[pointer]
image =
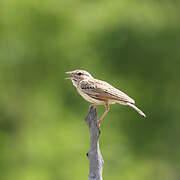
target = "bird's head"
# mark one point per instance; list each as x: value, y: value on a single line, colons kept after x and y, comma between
x: 78, y: 75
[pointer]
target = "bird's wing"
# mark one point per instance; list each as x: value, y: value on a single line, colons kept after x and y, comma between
x: 101, y: 90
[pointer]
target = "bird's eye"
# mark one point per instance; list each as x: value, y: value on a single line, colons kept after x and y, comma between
x: 79, y: 74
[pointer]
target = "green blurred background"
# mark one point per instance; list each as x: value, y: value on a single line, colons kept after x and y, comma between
x: 134, y: 45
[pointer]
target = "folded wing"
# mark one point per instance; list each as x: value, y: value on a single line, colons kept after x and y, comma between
x: 101, y: 90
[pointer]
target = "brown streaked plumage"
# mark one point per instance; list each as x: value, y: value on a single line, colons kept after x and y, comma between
x: 99, y: 92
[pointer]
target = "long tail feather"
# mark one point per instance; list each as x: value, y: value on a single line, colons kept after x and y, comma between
x: 138, y: 110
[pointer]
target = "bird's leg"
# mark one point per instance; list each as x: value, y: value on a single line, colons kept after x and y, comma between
x: 104, y: 114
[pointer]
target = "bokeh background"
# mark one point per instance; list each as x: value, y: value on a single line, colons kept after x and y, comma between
x: 134, y: 45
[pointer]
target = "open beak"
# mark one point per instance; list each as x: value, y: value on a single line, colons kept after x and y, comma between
x: 70, y: 73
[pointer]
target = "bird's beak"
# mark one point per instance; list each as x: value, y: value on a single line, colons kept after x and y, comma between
x: 70, y: 73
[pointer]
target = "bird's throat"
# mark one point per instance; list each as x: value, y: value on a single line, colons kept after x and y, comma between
x: 74, y: 81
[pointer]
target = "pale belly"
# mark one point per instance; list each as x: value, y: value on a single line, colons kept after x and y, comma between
x: 92, y: 100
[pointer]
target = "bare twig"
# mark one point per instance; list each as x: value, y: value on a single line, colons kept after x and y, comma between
x: 94, y: 155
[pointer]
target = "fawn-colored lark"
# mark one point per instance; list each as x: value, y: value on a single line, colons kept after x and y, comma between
x: 99, y: 92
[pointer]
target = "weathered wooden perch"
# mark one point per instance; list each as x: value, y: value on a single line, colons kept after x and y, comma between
x: 94, y: 155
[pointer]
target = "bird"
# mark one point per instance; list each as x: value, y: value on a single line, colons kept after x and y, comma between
x: 99, y: 92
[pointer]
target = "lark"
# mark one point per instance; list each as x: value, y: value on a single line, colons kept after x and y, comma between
x: 99, y: 92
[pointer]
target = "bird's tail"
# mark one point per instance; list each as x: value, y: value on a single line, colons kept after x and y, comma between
x: 138, y: 110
